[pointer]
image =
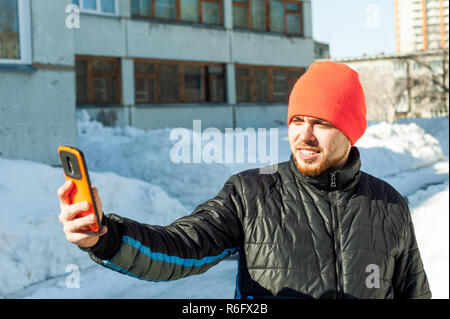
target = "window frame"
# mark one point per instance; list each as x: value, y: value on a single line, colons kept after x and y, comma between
x: 270, y: 70
x: 180, y: 80
x: 23, y: 7
x: 286, y: 12
x: 178, y: 13
x: 89, y: 74
x: 247, y: 7
x: 98, y: 11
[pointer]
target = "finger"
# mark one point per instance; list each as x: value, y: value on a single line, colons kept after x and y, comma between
x: 98, y: 202
x: 79, y: 224
x: 64, y: 191
x: 70, y: 212
x: 79, y: 236
x: 103, y: 230
x: 96, y: 196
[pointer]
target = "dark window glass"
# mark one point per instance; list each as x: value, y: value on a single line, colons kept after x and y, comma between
x: 103, y: 66
x: 145, y: 90
x: 9, y: 30
x: 242, y: 72
x: 291, y: 6
x: 243, y: 90
x: 240, y: 18
x: 181, y: 10
x: 293, y: 23
x: 276, y: 16
x: 261, y: 85
x: 81, y: 81
x: 144, y: 68
x: 279, y: 85
x: 258, y: 13
x: 105, y: 89
x: 210, y: 12
x: 293, y: 76
x: 142, y: 8
x: 265, y: 84
x: 189, y: 10
x: 97, y: 81
x: 108, y: 6
x: 216, y: 83
x: 166, y: 9
x: 184, y: 82
x: 89, y: 4
x: 168, y: 83
x: 193, y: 84
x: 145, y: 83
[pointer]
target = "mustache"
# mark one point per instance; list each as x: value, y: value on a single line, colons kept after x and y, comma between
x: 304, y: 145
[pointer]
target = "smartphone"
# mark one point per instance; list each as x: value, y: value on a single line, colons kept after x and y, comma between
x: 75, y: 169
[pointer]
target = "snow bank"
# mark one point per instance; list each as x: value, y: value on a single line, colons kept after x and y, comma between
x: 389, y: 149
x: 32, y: 245
x: 386, y: 150
x: 136, y: 178
x: 145, y: 155
x: 430, y: 218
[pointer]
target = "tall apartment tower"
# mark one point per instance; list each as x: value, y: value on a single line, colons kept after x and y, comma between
x: 421, y: 25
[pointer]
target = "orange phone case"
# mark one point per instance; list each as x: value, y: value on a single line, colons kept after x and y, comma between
x: 78, y: 173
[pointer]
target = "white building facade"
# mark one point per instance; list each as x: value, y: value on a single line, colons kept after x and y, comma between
x: 149, y: 64
x: 421, y: 25
x: 404, y: 85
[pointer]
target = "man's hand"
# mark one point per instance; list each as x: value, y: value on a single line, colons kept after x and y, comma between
x: 75, y: 228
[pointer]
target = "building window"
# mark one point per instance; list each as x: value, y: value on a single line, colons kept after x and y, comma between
x: 195, y: 11
x: 178, y: 82
x: 284, y: 16
x: 108, y: 7
x: 265, y: 84
x: 15, y: 40
x: 97, y: 80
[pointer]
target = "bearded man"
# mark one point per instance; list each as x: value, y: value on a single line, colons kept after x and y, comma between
x: 316, y: 227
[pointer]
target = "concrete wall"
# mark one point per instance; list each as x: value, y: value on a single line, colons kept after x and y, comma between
x: 176, y: 116
x: 139, y: 38
x: 37, y: 108
x: 268, y: 115
x: 267, y: 49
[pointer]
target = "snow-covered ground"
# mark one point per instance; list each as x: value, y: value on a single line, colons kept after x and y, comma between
x: 136, y: 178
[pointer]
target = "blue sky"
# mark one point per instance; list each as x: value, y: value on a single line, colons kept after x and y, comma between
x: 354, y: 27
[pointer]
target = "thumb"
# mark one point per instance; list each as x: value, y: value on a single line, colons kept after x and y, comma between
x: 103, y: 230
x: 98, y: 202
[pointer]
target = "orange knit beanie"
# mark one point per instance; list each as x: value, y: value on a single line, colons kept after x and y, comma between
x: 332, y: 92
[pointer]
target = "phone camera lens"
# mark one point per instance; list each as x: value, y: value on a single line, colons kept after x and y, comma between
x: 70, y: 165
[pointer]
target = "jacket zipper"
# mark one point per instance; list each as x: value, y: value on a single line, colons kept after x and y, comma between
x: 336, y: 236
x: 333, y: 180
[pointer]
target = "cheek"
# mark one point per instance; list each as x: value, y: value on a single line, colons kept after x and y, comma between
x: 329, y: 143
x: 292, y: 135
x: 338, y: 146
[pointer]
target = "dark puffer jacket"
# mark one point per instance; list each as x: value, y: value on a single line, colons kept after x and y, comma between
x: 343, y: 234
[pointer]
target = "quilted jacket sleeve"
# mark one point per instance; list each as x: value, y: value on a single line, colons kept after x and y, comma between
x: 410, y: 280
x: 190, y: 245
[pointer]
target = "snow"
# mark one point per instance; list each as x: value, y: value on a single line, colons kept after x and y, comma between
x: 136, y: 178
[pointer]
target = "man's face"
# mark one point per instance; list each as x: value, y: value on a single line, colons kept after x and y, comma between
x: 317, y: 145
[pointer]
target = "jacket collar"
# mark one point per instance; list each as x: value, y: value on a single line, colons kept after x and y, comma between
x: 341, y: 179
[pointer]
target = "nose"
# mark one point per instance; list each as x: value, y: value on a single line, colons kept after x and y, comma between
x: 306, y: 135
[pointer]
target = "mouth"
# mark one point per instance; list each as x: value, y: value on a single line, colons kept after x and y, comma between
x: 308, y: 154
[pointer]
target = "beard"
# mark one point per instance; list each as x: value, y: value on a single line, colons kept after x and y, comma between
x: 317, y: 167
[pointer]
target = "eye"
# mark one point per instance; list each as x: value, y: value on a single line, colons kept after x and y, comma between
x: 325, y: 125
x: 297, y: 120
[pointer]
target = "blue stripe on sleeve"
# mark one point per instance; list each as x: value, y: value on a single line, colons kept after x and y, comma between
x: 175, y: 259
x: 109, y: 264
